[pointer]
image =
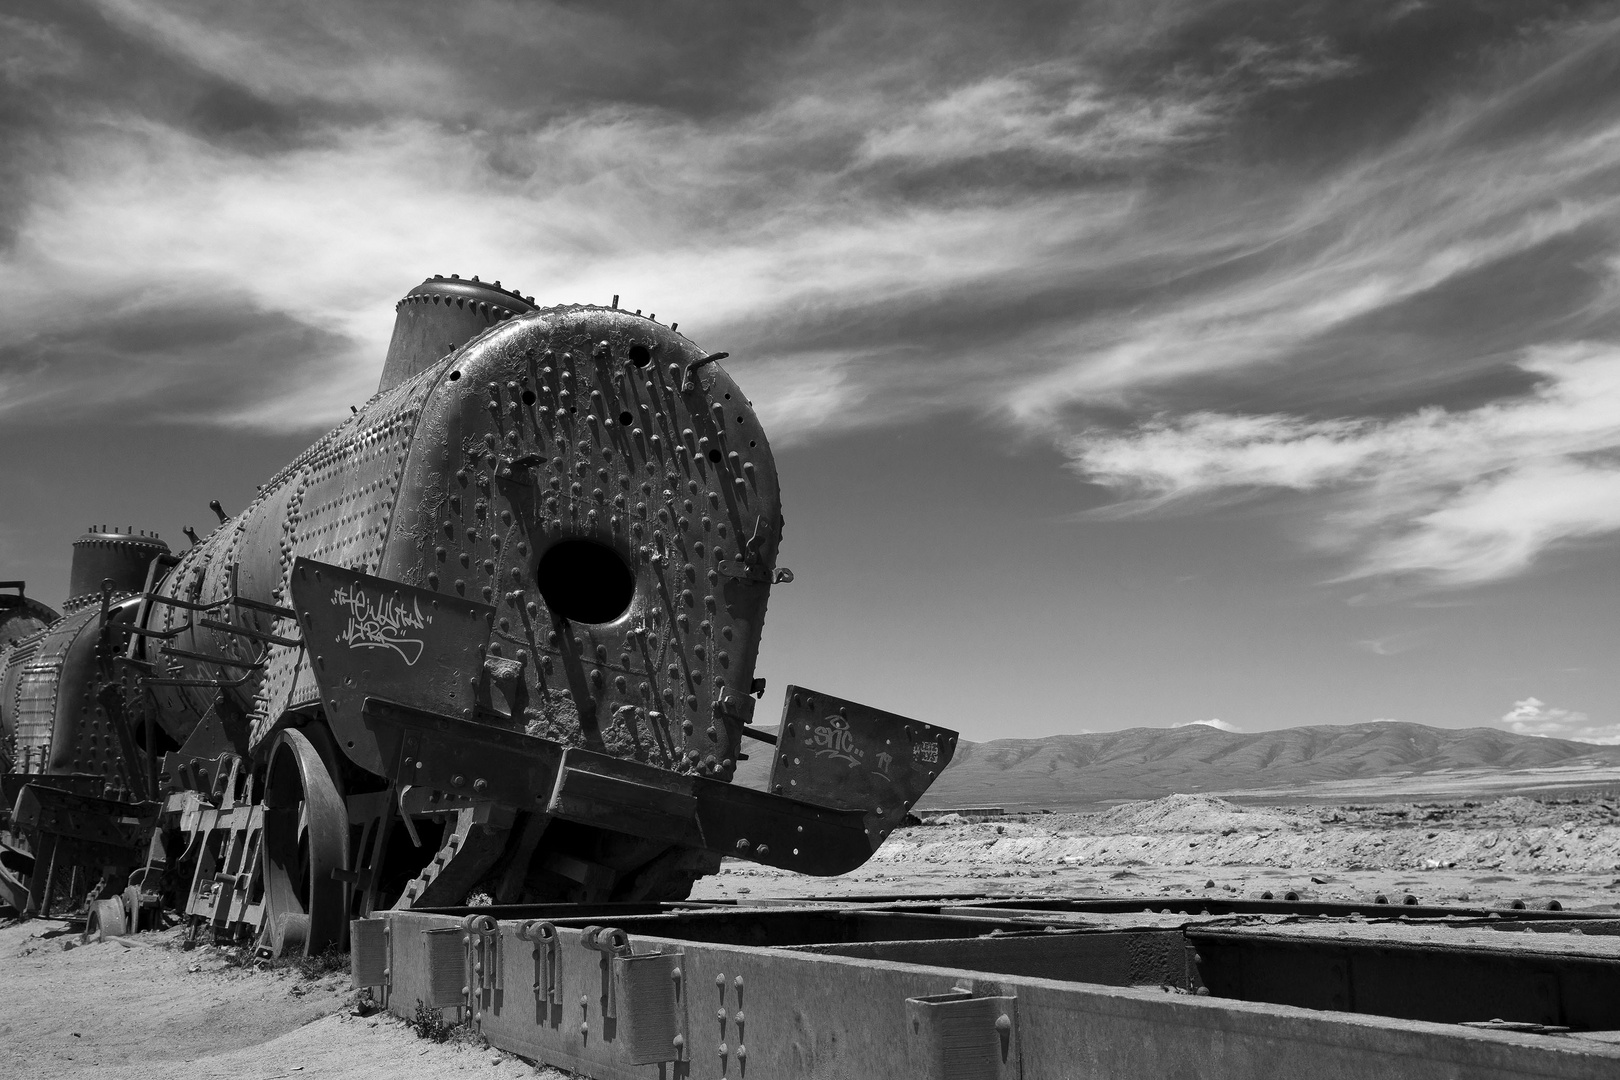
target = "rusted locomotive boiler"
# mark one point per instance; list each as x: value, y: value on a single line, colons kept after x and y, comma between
x: 495, y: 633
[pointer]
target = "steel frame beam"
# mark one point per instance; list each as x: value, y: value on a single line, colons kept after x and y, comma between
x: 571, y: 993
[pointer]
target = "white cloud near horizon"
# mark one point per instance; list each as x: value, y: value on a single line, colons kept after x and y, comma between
x: 1218, y: 725
x: 1532, y: 716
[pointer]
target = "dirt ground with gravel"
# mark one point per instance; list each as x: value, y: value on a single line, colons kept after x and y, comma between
x: 148, y: 1008
x: 145, y: 1008
x: 1478, y: 853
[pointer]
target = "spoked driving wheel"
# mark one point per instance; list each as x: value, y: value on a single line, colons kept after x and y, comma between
x: 306, y: 839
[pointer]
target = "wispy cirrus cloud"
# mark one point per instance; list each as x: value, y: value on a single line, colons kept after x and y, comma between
x: 1204, y: 249
x: 1454, y: 497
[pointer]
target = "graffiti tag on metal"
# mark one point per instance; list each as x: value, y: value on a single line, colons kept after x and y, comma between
x: 367, y: 636
x: 838, y: 753
x: 381, y: 621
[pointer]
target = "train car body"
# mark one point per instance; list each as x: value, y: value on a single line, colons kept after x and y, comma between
x: 495, y: 632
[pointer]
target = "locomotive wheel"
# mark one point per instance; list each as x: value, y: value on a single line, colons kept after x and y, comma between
x: 306, y: 838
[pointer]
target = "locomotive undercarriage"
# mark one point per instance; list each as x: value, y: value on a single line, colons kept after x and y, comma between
x: 287, y: 845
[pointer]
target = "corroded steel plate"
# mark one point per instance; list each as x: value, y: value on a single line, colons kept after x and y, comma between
x: 838, y: 753
x: 368, y: 636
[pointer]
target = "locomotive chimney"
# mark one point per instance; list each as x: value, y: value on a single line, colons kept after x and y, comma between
x: 441, y: 315
x: 102, y: 555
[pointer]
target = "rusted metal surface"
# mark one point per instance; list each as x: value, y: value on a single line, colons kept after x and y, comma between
x: 370, y: 637
x: 479, y: 761
x: 769, y: 1011
x: 105, y: 555
x: 441, y: 315
x: 215, y: 808
x: 1050, y: 907
x: 306, y: 849
x: 21, y: 616
x: 850, y: 756
x: 1439, y: 980
x: 69, y: 833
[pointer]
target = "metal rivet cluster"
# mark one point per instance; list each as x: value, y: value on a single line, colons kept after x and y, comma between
x: 564, y: 433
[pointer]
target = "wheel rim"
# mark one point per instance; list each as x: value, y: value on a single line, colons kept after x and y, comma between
x: 306, y: 839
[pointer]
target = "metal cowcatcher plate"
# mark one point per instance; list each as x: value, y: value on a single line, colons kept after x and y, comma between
x: 849, y: 756
x: 370, y: 637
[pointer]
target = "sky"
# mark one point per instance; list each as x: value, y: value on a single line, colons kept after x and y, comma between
x: 1253, y: 364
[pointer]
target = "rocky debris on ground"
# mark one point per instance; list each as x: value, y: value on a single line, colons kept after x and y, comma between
x: 1188, y: 830
x: 1474, y: 852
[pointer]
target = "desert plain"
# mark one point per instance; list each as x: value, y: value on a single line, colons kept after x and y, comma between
x: 149, y: 1007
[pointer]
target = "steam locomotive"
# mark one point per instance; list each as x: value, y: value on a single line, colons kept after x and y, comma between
x: 494, y: 635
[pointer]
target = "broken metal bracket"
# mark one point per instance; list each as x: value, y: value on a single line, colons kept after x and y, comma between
x: 647, y: 988
x: 371, y: 956
x: 958, y: 1036
x: 446, y: 967
x: 689, y: 379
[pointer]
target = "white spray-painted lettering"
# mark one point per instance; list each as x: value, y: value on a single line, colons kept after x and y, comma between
x: 381, y: 622
x: 834, y: 739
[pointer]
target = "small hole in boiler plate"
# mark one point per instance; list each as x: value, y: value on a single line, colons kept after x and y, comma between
x: 640, y: 355
x: 528, y: 397
x: 454, y: 375
x: 626, y: 419
x: 714, y: 456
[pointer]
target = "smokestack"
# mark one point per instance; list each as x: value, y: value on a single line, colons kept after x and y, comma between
x: 441, y: 315
x: 101, y: 554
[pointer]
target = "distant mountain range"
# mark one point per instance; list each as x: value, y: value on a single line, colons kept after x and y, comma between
x: 1343, y: 762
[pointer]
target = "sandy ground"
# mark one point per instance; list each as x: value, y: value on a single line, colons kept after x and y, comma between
x: 1484, y: 853
x: 147, y: 1008
x: 144, y: 1009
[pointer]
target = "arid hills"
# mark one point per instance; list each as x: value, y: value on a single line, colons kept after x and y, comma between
x: 1328, y: 763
